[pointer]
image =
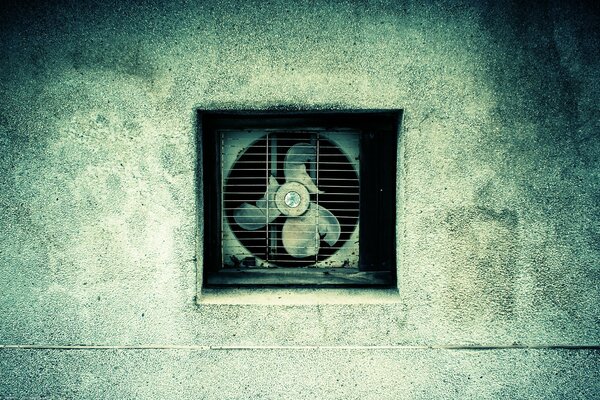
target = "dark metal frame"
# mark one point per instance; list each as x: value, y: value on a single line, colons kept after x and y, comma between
x: 380, y: 130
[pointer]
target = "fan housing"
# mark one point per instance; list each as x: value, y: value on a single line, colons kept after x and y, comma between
x: 266, y: 173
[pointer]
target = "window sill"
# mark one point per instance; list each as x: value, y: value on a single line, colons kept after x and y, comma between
x: 321, y: 277
x: 298, y: 296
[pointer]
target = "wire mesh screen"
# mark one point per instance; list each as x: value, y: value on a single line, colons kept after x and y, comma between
x: 290, y: 199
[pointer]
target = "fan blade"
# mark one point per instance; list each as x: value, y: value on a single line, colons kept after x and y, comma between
x: 300, y: 237
x: 295, y: 167
x: 249, y: 217
x: 252, y: 217
x: 328, y: 225
x: 272, y: 212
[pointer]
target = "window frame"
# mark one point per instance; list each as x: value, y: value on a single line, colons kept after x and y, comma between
x: 380, y: 136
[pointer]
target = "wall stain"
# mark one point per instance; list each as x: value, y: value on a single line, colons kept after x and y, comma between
x: 483, y: 245
x: 124, y: 58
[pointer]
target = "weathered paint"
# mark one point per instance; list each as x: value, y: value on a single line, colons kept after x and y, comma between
x: 499, y: 188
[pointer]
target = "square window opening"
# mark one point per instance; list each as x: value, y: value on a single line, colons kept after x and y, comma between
x: 298, y: 198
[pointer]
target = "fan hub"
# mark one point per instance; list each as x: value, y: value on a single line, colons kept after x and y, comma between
x: 292, y: 199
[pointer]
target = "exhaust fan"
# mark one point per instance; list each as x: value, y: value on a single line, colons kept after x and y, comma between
x: 290, y: 199
x: 298, y: 198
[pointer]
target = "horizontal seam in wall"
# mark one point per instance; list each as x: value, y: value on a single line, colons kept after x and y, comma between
x: 199, y: 347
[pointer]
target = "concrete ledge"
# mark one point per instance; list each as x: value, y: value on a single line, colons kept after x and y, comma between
x: 299, y: 296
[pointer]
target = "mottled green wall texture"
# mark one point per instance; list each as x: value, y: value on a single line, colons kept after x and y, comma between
x: 498, y: 209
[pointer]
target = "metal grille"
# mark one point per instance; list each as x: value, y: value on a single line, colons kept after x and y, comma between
x: 279, y: 191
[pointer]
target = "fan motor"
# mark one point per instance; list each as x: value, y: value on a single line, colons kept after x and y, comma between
x: 292, y: 199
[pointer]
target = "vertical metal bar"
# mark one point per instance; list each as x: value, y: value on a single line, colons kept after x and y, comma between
x: 267, y: 227
x: 221, y: 139
x: 316, y: 163
x: 273, y: 164
x: 359, y: 145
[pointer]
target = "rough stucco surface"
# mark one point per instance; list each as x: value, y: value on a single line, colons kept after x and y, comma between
x: 301, y: 374
x: 499, y: 228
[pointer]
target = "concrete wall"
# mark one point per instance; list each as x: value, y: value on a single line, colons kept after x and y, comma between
x: 500, y: 210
